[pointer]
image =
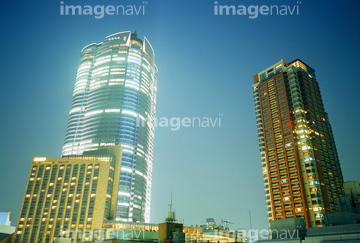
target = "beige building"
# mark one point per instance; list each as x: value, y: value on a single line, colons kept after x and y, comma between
x: 69, y: 196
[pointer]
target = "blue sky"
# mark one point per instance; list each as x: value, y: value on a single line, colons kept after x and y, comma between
x: 206, y: 66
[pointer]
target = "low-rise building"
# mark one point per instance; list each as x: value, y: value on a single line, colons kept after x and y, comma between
x: 70, y: 195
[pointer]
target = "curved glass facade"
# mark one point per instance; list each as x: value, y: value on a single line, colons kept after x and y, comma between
x: 114, y: 103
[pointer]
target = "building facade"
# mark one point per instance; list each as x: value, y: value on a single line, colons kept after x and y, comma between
x: 300, y: 165
x: 350, y: 202
x: 69, y: 194
x: 113, y: 103
x: 210, y: 224
x: 6, y: 230
x: 5, y: 218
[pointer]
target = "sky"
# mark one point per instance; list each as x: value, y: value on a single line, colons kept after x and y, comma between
x: 206, y: 66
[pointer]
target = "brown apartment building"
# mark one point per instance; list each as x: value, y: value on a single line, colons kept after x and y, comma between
x: 300, y: 164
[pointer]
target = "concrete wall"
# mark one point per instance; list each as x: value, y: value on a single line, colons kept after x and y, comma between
x: 340, y: 218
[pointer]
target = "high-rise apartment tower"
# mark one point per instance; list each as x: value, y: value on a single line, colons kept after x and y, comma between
x: 115, y: 90
x: 301, y: 169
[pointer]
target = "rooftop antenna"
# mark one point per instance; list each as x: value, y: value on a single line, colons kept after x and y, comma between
x: 170, y: 215
x: 226, y: 223
x: 170, y: 205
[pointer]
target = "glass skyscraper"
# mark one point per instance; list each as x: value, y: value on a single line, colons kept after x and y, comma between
x: 114, y: 103
x: 300, y: 165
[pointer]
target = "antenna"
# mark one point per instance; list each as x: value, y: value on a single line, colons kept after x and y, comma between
x: 171, y: 204
x: 170, y: 214
x: 226, y: 223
